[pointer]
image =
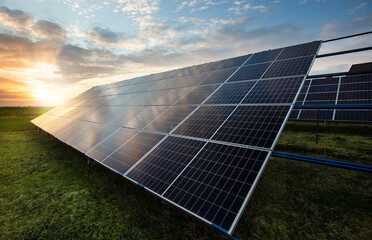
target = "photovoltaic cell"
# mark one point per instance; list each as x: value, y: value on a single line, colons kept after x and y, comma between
x: 231, y: 93
x: 299, y: 50
x: 312, y: 114
x: 219, y: 76
x: 172, y: 96
x: 212, y: 66
x: 58, y: 124
x: 361, y: 115
x: 90, y: 137
x: 281, y: 90
x: 110, y: 144
x: 291, y: 67
x: 126, y: 114
x: 133, y: 150
x: 205, y: 121
x: 147, y: 116
x: 354, y: 89
x: 199, y: 136
x: 253, y: 125
x: 249, y: 72
x: 216, y: 183
x: 186, y: 81
x: 148, y: 98
x: 170, y: 118
x: 266, y: 56
x: 161, y: 167
x: 234, y: 62
x: 197, y: 95
x: 74, y: 128
x: 294, y: 114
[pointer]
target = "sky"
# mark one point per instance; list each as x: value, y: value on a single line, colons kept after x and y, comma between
x: 53, y: 50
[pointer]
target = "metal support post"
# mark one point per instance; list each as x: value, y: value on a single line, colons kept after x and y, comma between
x: 317, y: 127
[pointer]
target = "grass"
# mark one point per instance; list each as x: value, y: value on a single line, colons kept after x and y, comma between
x: 48, y: 191
x: 18, y: 118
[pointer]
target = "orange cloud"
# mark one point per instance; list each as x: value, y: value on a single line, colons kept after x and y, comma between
x: 13, y: 91
x: 19, y: 52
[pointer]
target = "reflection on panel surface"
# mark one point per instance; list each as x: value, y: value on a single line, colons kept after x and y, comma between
x: 219, y: 76
x: 231, y: 93
x: 250, y: 72
x: 161, y: 167
x: 170, y: 118
x: 110, y: 144
x: 133, y: 150
x: 198, y: 94
x: 197, y: 136
x: 205, y: 121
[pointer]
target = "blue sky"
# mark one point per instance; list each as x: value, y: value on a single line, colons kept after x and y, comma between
x: 57, y: 49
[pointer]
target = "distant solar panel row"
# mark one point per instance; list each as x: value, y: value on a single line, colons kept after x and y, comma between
x: 355, y: 89
x: 198, y: 137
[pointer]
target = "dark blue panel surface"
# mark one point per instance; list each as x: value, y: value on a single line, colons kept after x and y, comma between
x: 253, y: 125
x: 133, y: 150
x: 161, y: 167
x: 205, y: 121
x: 217, y: 181
x: 231, y: 93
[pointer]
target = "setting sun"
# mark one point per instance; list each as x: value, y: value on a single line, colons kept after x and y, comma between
x: 47, y: 97
x: 41, y: 94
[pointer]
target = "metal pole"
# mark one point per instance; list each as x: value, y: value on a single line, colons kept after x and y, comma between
x: 344, y: 52
x: 327, y: 75
x: 317, y: 127
x: 322, y: 161
x: 333, y: 106
x: 349, y: 36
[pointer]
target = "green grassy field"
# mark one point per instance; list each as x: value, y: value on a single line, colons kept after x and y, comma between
x: 47, y: 191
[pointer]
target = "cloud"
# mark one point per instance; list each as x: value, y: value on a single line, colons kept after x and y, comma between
x: 202, y: 5
x: 25, y: 24
x: 16, y: 19
x: 138, y: 7
x: 9, y: 89
x: 357, y: 8
x: 185, y: 4
x: 10, y: 96
x: 12, y: 91
x: 240, y: 8
x: 306, y: 1
x: 20, y: 52
x: 76, y: 63
x: 342, y: 28
x: 104, y: 37
x: 46, y: 29
x: 210, y: 2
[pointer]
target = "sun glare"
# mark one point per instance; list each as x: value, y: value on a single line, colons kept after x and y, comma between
x: 47, y: 97
x: 41, y: 94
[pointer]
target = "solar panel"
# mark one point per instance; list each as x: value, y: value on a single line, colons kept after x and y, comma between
x: 216, y: 190
x: 231, y: 93
x: 355, y: 89
x: 197, y: 137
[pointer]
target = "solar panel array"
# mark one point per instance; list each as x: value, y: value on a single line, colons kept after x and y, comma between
x: 353, y: 89
x: 197, y: 137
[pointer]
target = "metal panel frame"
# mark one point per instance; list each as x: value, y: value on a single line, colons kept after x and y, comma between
x: 210, y: 140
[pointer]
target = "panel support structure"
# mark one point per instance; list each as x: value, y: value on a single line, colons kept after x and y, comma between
x: 326, y: 162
